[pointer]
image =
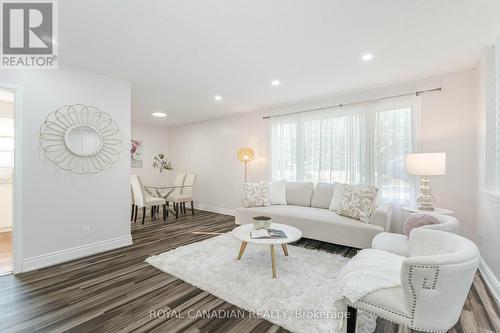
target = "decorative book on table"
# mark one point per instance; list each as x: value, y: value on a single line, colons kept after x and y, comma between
x: 267, y: 234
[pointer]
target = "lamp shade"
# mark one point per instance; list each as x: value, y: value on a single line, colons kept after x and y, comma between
x: 426, y: 164
x: 245, y: 154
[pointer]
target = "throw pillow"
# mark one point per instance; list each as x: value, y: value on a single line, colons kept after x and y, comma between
x: 338, y: 193
x: 277, y: 192
x: 358, y: 202
x: 255, y: 194
x: 418, y: 220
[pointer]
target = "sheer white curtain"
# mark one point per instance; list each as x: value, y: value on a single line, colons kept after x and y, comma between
x: 364, y: 143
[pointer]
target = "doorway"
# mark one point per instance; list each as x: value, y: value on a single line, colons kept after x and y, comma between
x: 7, y: 116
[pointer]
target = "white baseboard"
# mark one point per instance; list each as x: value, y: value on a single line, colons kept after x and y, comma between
x: 490, y: 279
x: 58, y: 257
x: 5, y: 229
x: 214, y: 209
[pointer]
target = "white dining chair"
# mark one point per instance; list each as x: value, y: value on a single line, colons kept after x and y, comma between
x: 133, y: 202
x: 178, y: 184
x: 143, y: 200
x: 186, y: 195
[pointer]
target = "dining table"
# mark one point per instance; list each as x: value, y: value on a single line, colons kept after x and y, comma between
x: 163, y: 191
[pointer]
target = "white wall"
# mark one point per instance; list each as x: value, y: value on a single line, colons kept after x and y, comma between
x: 209, y: 150
x: 155, y: 140
x: 56, y: 204
x: 489, y: 200
x: 448, y: 124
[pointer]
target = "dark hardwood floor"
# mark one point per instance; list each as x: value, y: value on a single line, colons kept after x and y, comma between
x: 115, y: 291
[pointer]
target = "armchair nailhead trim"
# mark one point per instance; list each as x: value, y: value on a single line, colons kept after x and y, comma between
x: 412, y: 288
x: 414, y: 299
x: 395, y: 322
x: 413, y: 293
x: 434, y: 280
x: 381, y: 308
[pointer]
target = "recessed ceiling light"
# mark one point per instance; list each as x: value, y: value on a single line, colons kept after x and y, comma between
x: 217, y: 98
x: 159, y: 114
x: 367, y: 57
x: 275, y: 82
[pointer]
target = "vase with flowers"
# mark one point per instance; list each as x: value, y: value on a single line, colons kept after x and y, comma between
x: 162, y: 164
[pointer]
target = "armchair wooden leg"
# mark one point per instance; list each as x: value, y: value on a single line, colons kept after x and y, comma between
x: 165, y: 210
x: 135, y: 214
x: 168, y: 207
x: 132, y: 216
x: 192, y: 208
x: 351, y: 319
x: 184, y: 207
x: 152, y: 209
x: 143, y: 214
x: 176, y: 205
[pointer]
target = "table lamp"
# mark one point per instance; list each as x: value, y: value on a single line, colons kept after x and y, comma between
x: 245, y: 155
x: 425, y: 165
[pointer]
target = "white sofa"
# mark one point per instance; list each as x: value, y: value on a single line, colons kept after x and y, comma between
x: 307, y: 209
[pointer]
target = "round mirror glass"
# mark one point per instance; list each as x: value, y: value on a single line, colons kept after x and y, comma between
x: 83, y: 140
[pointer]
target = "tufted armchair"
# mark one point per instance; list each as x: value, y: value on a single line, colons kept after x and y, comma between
x: 436, y: 278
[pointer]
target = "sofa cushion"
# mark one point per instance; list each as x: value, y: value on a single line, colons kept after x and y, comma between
x: 277, y: 192
x: 299, y: 194
x: 322, y: 195
x: 316, y: 223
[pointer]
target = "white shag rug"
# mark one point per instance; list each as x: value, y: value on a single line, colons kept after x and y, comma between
x: 304, y: 291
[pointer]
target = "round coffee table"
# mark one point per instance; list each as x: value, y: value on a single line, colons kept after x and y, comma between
x: 243, y: 233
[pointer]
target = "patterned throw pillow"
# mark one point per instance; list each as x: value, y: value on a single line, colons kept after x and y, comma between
x: 358, y: 202
x: 256, y: 194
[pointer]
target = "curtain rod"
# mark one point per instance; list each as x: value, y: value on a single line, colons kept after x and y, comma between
x: 359, y: 102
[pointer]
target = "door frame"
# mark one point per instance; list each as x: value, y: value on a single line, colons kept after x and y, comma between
x: 17, y: 216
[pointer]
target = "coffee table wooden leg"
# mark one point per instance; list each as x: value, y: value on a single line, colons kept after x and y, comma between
x: 273, y: 261
x: 285, y: 249
x: 242, y: 249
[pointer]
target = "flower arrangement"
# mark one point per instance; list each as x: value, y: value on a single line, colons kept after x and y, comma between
x: 161, y: 163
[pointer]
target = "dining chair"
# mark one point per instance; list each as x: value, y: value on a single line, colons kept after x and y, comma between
x: 133, y: 202
x: 186, y: 195
x: 143, y: 200
x: 178, y: 184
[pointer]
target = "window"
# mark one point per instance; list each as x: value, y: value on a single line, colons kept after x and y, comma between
x: 364, y: 143
x: 6, y: 149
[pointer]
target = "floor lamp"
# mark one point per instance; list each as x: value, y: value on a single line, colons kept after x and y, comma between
x: 245, y: 155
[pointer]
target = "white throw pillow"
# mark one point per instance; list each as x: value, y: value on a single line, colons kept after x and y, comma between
x: 358, y: 202
x: 255, y: 194
x: 277, y: 192
x: 338, y: 193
